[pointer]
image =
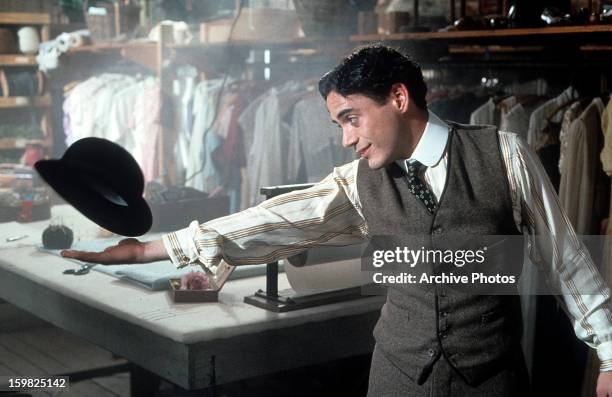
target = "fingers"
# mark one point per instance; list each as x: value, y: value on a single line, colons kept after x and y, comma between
x: 128, y: 241
x: 85, y: 256
x: 602, y: 391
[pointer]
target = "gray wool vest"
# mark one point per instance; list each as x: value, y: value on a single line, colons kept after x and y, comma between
x: 476, y: 334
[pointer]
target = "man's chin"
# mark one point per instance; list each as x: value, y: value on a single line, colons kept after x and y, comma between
x: 375, y: 164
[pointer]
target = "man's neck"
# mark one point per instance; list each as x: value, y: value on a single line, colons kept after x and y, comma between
x: 416, y: 124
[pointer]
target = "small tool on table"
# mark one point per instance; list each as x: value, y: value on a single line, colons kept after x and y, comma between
x: 84, y: 269
x: 16, y: 238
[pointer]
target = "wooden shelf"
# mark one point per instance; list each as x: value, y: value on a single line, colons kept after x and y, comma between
x: 17, y: 60
x: 102, y: 47
x: 488, y: 33
x: 24, y: 18
x: 279, y: 41
x: 143, y: 46
x: 479, y: 49
x: 301, y: 42
x: 20, y: 143
x: 143, y: 53
x: 596, y: 48
x: 23, y: 101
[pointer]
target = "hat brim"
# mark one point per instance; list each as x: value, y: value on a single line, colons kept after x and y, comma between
x: 130, y: 218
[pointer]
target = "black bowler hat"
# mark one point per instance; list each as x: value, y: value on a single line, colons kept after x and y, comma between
x: 104, y: 182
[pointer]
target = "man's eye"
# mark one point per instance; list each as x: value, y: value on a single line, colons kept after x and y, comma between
x: 354, y: 121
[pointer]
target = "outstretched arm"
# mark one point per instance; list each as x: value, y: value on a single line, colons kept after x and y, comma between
x: 126, y: 251
x: 329, y: 213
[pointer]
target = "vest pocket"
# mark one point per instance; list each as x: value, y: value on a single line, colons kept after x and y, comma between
x: 493, y: 315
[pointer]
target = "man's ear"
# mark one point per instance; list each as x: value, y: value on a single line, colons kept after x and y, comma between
x: 400, y: 96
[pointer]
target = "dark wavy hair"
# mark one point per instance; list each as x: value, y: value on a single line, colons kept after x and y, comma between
x: 371, y: 71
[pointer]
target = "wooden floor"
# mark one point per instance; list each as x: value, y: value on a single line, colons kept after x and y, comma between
x: 30, y: 347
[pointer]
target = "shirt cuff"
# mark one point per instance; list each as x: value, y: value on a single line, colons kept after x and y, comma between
x: 604, y: 352
x: 180, y: 245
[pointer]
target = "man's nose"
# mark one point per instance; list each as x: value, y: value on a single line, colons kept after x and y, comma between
x: 349, y: 138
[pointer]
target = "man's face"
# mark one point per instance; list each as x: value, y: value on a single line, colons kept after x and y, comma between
x: 374, y: 131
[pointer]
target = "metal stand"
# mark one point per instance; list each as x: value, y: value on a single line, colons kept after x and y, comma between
x: 287, y: 300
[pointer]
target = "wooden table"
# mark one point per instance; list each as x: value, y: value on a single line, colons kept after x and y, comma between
x: 194, y: 346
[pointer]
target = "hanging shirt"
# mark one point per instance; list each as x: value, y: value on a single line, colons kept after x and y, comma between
x: 515, y: 120
x: 314, y: 141
x: 266, y: 140
x: 201, y: 173
x: 578, y: 177
x: 606, y: 128
x: 183, y: 90
x: 568, y: 117
x: 485, y: 114
x: 536, y: 134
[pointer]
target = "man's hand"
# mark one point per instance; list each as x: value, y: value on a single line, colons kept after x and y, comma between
x: 127, y: 251
x: 604, y: 384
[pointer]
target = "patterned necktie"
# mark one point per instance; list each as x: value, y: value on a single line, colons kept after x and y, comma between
x: 418, y: 187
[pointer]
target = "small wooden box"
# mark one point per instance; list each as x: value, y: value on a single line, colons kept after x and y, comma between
x: 215, y: 31
x: 367, y: 22
x: 206, y: 295
x: 253, y: 25
x: 393, y: 22
x: 190, y: 296
x: 111, y: 20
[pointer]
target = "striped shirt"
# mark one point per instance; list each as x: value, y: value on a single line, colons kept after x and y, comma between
x: 329, y: 213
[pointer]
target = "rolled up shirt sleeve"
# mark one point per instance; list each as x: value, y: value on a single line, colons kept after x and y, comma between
x: 327, y: 214
x: 556, y: 250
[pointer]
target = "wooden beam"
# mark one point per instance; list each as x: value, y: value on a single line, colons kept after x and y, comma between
x: 20, y: 143
x: 488, y: 33
x: 478, y: 49
x: 17, y: 60
x: 24, y: 18
x: 23, y: 101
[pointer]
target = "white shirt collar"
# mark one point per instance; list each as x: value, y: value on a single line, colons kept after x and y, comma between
x: 431, y: 146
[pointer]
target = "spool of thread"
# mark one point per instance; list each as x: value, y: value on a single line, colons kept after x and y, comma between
x: 63, y: 42
x: 28, y: 40
x: 56, y: 237
x: 21, y: 82
x: 79, y: 38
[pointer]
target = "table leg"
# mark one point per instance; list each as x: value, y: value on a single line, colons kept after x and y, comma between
x: 142, y: 382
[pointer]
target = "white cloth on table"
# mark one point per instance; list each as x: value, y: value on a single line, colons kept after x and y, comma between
x: 154, y: 276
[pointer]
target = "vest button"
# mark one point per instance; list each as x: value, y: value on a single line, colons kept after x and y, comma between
x: 431, y: 352
x: 443, y: 314
x: 437, y: 230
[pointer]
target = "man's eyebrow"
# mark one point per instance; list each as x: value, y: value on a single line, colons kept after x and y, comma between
x: 343, y: 112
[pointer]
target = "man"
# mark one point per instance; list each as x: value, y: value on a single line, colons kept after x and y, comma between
x: 420, y: 176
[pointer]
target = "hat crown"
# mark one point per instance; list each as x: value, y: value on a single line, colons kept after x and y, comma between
x: 104, y: 159
x: 103, y: 182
